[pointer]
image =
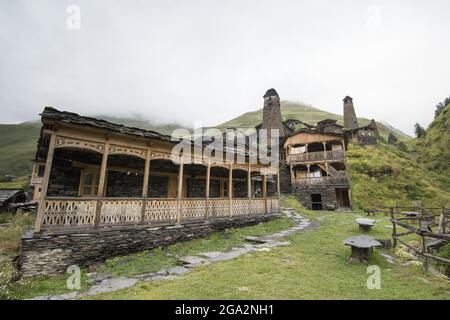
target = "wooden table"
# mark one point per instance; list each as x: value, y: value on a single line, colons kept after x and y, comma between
x: 362, y: 247
x: 365, y: 224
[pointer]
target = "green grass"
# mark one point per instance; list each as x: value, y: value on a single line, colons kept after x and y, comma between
x: 18, y: 183
x: 433, y: 149
x: 128, y: 266
x: 156, y: 260
x: 314, y: 266
x: 384, y: 175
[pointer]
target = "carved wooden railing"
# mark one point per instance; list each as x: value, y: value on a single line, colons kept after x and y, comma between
x: 219, y: 207
x: 319, y: 181
x: 81, y: 212
x: 161, y: 210
x: 317, y: 156
x: 115, y: 211
x: 69, y: 212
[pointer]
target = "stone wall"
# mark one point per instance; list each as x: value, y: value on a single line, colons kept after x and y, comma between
x: 196, y: 188
x: 64, y: 180
x: 51, y: 253
x: 121, y: 184
x: 303, y: 194
x: 285, y: 178
x: 158, y: 187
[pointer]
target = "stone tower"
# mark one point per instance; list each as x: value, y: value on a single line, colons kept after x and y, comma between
x: 350, y: 120
x: 272, y: 113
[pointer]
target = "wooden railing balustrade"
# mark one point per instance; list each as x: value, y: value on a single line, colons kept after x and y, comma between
x: 328, y: 180
x: 81, y: 212
x: 317, y: 156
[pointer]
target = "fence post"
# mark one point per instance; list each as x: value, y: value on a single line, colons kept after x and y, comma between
x: 394, y: 229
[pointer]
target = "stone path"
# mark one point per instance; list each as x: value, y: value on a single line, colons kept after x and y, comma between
x: 103, y: 282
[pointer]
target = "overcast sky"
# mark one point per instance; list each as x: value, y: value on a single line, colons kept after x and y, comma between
x: 213, y: 60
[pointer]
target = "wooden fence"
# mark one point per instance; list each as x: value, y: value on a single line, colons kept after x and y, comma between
x: 431, y: 225
x: 81, y: 212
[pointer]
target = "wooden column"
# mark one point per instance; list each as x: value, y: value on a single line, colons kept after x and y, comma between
x: 230, y: 188
x: 324, y: 150
x: 145, y: 184
x: 101, y: 184
x: 326, y: 168
x: 264, y: 192
x: 278, y: 184
x: 249, y: 188
x: 48, y: 168
x: 208, y: 173
x: 180, y: 189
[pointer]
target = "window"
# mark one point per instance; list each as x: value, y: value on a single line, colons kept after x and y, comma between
x: 89, y: 182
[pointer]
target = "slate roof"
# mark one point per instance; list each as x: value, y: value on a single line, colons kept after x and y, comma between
x: 5, y: 194
x: 74, y: 118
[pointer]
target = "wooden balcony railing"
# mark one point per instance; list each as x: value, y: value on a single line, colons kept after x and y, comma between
x: 81, y: 212
x: 319, y: 181
x: 35, y: 180
x: 335, y: 155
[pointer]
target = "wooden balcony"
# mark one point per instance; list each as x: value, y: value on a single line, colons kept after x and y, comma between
x: 322, y: 181
x: 82, y: 212
x: 330, y: 155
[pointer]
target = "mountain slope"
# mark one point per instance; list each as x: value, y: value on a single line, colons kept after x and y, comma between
x: 385, y: 175
x: 18, y: 142
x: 433, y: 150
x: 308, y: 114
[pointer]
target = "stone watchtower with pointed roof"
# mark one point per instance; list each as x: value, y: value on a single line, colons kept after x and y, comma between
x: 350, y: 120
x: 272, y: 113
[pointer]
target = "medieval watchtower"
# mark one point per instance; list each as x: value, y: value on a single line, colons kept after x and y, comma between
x: 272, y: 113
x: 350, y: 120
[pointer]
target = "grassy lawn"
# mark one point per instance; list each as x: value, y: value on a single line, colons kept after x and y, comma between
x: 130, y: 265
x: 312, y: 267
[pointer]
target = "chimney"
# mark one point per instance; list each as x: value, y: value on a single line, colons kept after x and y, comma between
x: 350, y: 120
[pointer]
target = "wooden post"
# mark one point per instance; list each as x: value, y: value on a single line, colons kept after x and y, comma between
x: 180, y: 189
x: 101, y: 184
x: 264, y: 191
x: 48, y: 168
x: 278, y: 184
x: 249, y: 188
x: 394, y: 229
x: 324, y: 150
x: 424, y: 240
x: 208, y: 173
x: 145, y: 185
x: 230, y: 188
x: 442, y: 221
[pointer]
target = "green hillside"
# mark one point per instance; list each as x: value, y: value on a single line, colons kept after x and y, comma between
x: 17, y: 147
x: 18, y: 142
x: 384, y: 175
x: 433, y: 150
x: 308, y: 114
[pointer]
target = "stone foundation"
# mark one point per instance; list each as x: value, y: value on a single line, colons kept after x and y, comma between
x: 50, y: 253
x: 327, y: 193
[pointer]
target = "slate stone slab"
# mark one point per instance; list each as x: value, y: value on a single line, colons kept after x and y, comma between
x: 109, y: 285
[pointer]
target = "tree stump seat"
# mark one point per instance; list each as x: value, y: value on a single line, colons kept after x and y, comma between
x: 365, y: 224
x: 362, y: 247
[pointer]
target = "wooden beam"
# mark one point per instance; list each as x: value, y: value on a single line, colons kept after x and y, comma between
x: 264, y: 191
x: 208, y: 178
x: 230, y: 188
x: 180, y: 189
x: 48, y: 168
x: 145, y: 184
x: 101, y: 184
